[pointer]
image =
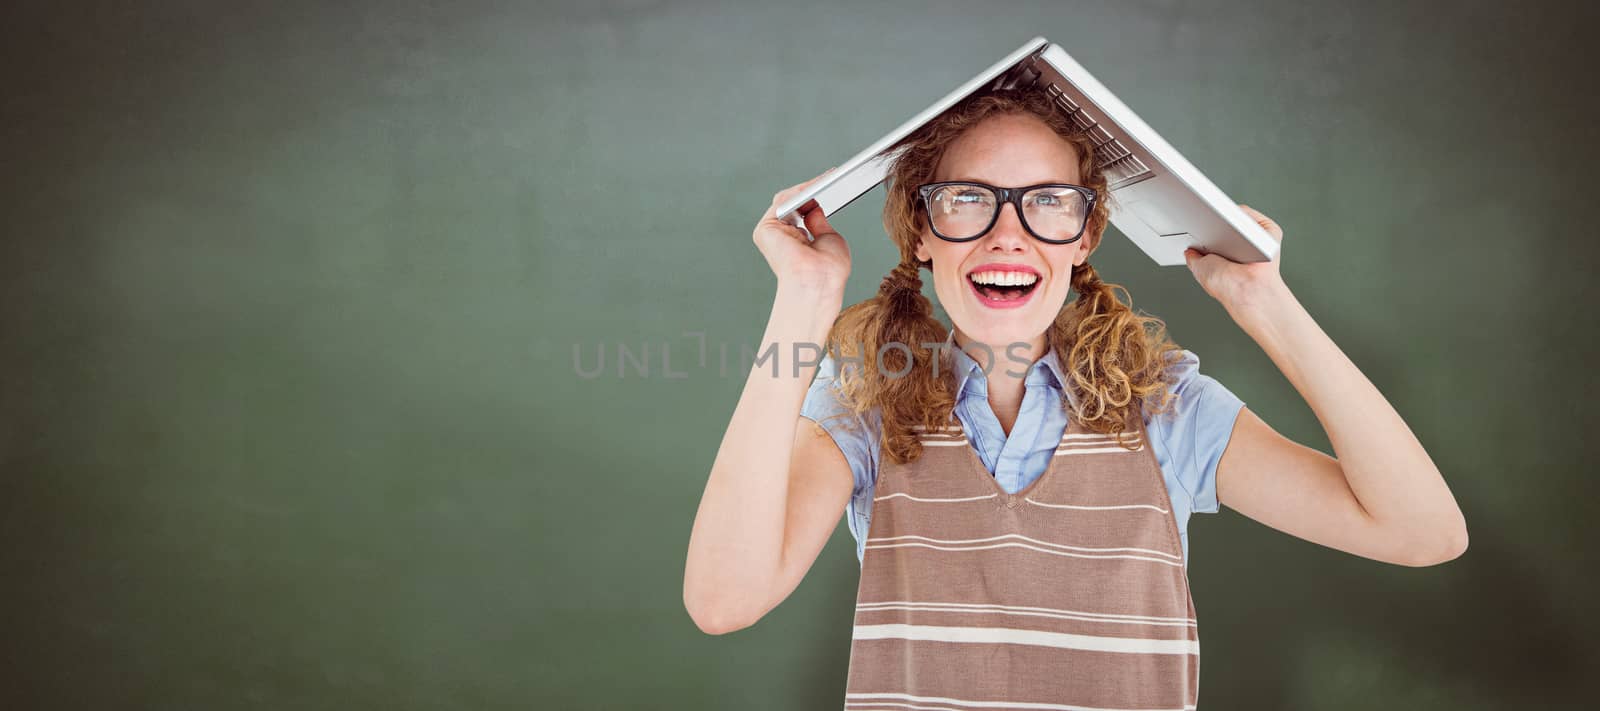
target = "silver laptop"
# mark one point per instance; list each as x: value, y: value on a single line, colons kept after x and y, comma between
x: 1160, y: 201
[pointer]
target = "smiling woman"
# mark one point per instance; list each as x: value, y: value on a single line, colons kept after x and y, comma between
x: 1022, y: 530
x: 1117, y: 360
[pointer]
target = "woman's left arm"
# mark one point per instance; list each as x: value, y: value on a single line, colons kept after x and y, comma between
x: 1382, y: 497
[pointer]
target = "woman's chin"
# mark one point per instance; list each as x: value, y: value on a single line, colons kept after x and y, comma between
x: 1002, y: 327
x: 1000, y: 331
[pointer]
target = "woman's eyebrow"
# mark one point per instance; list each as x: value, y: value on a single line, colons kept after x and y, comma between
x: 985, y: 182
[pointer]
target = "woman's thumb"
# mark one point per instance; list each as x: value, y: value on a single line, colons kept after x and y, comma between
x: 817, y: 222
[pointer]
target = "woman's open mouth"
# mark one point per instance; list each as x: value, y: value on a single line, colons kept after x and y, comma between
x: 1003, y: 288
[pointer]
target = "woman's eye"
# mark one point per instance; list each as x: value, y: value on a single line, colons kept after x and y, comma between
x: 969, y: 197
x: 1047, y: 200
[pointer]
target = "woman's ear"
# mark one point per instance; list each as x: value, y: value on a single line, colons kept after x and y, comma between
x: 1081, y: 254
x: 922, y: 250
x: 1085, y: 247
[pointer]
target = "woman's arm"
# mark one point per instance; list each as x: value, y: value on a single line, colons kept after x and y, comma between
x: 736, y: 547
x: 738, y: 561
x: 1382, y: 497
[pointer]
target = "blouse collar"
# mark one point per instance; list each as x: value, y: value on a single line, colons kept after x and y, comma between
x: 1044, y: 372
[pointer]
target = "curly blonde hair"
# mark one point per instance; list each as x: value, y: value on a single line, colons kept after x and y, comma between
x: 1116, y: 360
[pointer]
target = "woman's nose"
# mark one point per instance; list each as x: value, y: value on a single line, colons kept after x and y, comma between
x: 1008, y: 232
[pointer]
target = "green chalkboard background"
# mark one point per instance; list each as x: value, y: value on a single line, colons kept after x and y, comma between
x: 290, y: 291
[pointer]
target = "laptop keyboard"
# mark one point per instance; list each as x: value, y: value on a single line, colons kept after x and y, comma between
x: 1120, y: 164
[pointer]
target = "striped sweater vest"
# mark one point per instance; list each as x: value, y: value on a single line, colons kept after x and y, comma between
x: 1070, y: 594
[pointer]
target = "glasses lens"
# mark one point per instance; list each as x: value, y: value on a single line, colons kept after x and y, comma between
x: 1055, y: 213
x: 963, y: 211
x: 960, y: 211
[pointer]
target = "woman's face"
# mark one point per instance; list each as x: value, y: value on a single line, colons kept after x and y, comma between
x: 1007, y: 151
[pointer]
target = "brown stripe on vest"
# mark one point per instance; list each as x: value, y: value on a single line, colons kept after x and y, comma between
x: 1069, y: 594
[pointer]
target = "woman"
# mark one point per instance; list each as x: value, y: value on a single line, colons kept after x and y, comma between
x: 1018, y: 484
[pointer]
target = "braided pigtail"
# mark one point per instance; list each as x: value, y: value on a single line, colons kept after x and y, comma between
x: 887, y: 333
x: 1115, y: 358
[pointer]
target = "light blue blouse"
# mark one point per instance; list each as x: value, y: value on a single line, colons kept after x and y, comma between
x: 1187, y: 443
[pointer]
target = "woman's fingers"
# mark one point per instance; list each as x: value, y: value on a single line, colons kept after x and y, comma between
x: 817, y: 222
x: 770, y: 227
x: 823, y: 259
x: 789, y: 192
x: 1266, y: 223
x: 823, y: 237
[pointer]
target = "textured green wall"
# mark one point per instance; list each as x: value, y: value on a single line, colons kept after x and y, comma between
x: 289, y: 294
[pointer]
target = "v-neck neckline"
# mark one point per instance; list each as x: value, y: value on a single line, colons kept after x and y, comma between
x: 1049, y: 469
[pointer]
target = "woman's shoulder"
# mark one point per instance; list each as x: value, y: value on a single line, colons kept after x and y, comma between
x: 1191, y: 435
x: 1187, y: 384
x: 858, y: 436
x: 825, y: 400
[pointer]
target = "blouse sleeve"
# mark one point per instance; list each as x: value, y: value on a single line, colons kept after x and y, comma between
x: 1197, y: 431
x: 856, y: 436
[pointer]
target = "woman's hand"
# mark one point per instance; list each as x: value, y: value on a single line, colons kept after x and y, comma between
x: 1379, y: 495
x: 1237, y: 285
x: 822, y: 264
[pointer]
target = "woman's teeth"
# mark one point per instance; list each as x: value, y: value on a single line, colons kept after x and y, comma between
x: 1004, y: 278
x: 1004, y: 286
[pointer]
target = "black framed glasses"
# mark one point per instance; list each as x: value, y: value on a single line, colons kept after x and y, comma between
x: 964, y: 210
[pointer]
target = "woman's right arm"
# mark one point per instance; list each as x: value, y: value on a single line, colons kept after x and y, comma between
x: 778, y: 484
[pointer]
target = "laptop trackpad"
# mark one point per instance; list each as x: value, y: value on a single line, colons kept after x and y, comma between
x: 1155, y: 219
